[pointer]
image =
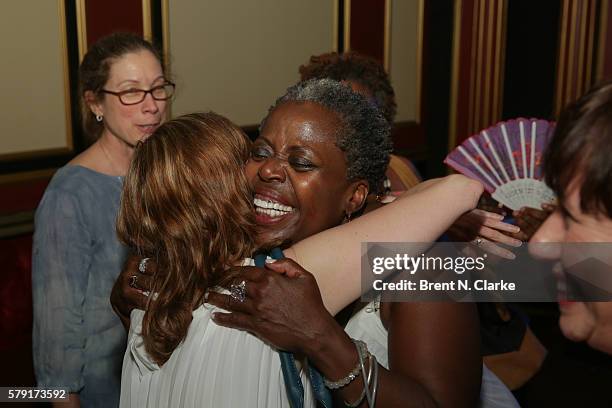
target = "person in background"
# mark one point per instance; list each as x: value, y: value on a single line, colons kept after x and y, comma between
x: 78, y: 342
x: 578, y: 169
x: 368, y: 77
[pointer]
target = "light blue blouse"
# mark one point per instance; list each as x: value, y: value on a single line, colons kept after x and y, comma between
x: 78, y: 342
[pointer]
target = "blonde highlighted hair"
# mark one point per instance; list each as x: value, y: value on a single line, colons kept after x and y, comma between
x: 186, y: 204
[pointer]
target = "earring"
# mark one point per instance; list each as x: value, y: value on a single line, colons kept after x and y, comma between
x: 99, y: 118
x: 347, y: 217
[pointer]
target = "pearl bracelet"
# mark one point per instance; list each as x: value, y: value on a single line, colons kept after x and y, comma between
x: 362, y: 349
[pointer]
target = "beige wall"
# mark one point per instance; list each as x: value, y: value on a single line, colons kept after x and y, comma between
x: 404, y: 57
x: 236, y: 56
x: 33, y: 109
x: 231, y: 56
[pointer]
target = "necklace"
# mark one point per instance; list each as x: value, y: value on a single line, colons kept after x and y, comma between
x: 110, y: 160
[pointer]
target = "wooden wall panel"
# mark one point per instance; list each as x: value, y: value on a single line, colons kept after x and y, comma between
x: 478, y: 66
x: 604, y: 48
x: 577, y: 61
x: 19, y: 196
x: 391, y: 31
x: 104, y: 17
x: 366, y: 28
x: 607, y: 34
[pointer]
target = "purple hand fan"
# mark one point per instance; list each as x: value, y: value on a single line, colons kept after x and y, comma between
x: 507, y: 159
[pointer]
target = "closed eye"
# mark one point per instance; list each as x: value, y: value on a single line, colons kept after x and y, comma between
x: 260, y: 153
x: 301, y: 164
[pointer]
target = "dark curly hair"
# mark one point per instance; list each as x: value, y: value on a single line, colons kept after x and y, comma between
x: 352, y: 66
x: 363, y: 134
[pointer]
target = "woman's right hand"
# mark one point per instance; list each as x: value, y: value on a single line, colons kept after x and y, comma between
x: 131, y: 288
x: 283, y: 308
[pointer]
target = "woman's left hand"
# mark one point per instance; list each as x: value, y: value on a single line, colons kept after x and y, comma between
x: 486, y: 229
x: 283, y: 306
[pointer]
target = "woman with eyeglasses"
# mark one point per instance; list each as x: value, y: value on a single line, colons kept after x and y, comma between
x: 78, y: 342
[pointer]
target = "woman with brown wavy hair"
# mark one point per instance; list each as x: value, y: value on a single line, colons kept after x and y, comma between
x: 193, y: 219
x: 186, y: 203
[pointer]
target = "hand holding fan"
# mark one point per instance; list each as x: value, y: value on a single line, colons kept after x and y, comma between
x: 507, y: 159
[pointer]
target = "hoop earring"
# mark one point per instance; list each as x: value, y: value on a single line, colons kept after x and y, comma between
x: 99, y: 118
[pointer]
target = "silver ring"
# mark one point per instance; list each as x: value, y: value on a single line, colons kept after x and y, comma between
x: 238, y: 291
x: 132, y: 282
x: 478, y: 241
x: 142, y: 266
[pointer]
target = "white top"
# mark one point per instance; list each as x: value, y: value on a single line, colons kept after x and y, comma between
x: 366, y: 326
x: 213, y: 367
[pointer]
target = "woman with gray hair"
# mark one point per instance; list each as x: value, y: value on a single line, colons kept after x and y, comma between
x: 303, y: 179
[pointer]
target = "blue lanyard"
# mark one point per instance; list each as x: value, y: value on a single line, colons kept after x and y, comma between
x: 293, y: 382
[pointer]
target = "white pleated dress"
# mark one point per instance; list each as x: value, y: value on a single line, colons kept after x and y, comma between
x: 213, y: 367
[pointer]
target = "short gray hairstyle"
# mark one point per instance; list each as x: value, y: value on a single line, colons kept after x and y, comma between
x: 364, y: 133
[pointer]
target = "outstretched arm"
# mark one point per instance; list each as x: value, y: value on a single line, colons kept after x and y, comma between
x: 433, y: 348
x: 419, y: 215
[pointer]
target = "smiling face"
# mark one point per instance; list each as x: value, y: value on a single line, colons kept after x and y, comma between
x: 299, y: 175
x: 131, y: 123
x: 571, y: 224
